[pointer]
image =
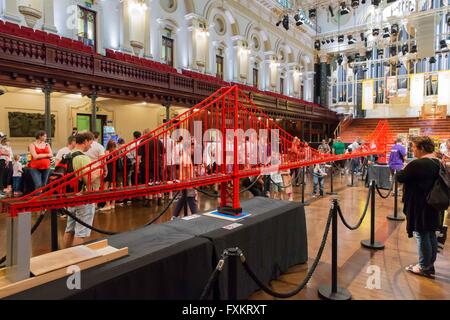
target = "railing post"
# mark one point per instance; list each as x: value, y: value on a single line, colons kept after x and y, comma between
x: 395, y: 216
x: 305, y: 203
x: 334, y: 292
x: 54, y: 229
x: 352, y: 174
x: 331, y: 183
x: 233, y: 256
x: 371, y: 243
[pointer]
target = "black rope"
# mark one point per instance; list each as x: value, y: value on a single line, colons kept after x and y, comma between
x: 212, y: 195
x: 361, y: 219
x: 213, y: 277
x: 74, y: 217
x: 164, y: 210
x: 305, y: 281
x: 389, y: 192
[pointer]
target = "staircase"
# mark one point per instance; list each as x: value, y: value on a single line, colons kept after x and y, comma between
x: 435, y: 128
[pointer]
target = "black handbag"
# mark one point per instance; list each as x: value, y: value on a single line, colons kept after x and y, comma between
x: 439, y: 196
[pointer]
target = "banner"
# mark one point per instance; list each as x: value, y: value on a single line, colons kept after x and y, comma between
x: 444, y: 88
x: 391, y: 87
x: 367, y: 95
x: 416, y: 94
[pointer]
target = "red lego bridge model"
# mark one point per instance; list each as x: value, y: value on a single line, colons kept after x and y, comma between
x: 165, y: 167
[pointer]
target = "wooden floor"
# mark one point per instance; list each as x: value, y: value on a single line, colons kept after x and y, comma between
x: 353, y: 260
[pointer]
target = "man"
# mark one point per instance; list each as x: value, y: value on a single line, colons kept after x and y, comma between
x: 75, y: 233
x: 397, y: 156
x: 97, y: 150
x: 355, y: 162
x: 66, y: 150
x: 338, y: 149
x: 324, y: 147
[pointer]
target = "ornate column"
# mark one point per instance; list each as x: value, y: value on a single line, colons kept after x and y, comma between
x: 125, y: 35
x: 49, y: 17
x: 270, y: 71
x: 324, y: 72
x: 10, y: 11
x: 199, y: 42
x: 294, y: 79
x: 94, y: 109
x: 47, y: 90
x: 241, y: 56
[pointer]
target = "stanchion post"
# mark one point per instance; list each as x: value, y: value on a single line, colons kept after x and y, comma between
x: 334, y: 292
x: 185, y: 204
x: 371, y: 243
x: 233, y: 258
x: 54, y: 229
x: 352, y: 176
x: 305, y: 203
x: 395, y: 216
x: 331, y: 183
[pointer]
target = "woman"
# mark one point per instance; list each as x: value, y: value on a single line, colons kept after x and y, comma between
x: 41, y: 154
x: 114, y: 173
x: 422, y: 220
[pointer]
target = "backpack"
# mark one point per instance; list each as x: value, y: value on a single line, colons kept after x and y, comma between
x: 64, y: 167
x: 439, y: 196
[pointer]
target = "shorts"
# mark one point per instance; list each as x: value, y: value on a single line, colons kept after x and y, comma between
x: 86, y: 214
x: 275, y: 187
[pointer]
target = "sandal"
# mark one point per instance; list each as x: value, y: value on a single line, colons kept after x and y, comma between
x: 416, y: 269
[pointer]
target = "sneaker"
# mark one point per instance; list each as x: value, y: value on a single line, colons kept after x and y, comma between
x: 105, y: 208
x: 173, y: 218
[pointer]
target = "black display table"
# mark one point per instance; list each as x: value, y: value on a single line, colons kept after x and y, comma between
x: 174, y: 260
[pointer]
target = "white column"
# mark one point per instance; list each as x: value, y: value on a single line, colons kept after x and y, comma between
x: 270, y: 71
x: 10, y: 11
x: 241, y: 54
x: 49, y: 17
x: 125, y: 36
x: 147, y: 35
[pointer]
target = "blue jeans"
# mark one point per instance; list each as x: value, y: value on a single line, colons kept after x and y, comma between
x: 318, y: 181
x: 355, y: 165
x: 427, y: 247
x: 39, y: 177
x: 17, y: 184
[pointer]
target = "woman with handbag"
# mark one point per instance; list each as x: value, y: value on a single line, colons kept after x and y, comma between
x: 422, y: 219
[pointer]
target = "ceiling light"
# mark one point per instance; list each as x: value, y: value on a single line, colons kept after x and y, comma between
x: 413, y: 48
x: 341, y: 38
x: 394, y: 29
x: 286, y: 22
x: 405, y: 48
x: 375, y: 32
x: 443, y: 44
x: 328, y: 40
x: 351, y: 40
x: 344, y: 9
x: 340, y: 59
x: 432, y: 60
x: 317, y: 45
x: 355, y: 4
x: 332, y: 40
x: 312, y: 13
x: 386, y: 33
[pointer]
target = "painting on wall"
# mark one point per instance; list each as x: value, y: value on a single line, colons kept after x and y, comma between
x: 24, y: 125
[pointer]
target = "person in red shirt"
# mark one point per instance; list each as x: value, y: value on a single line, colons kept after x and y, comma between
x: 41, y: 154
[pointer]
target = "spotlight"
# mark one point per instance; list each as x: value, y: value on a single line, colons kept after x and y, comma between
x: 362, y: 36
x: 278, y: 23
x: 351, y: 40
x: 368, y: 54
x: 286, y: 22
x: 341, y: 38
x: 317, y: 45
x: 357, y: 56
x: 328, y: 40
x: 299, y: 23
x: 448, y: 19
x: 380, y: 52
x: 331, y: 11
x: 375, y: 32
x: 298, y: 20
x: 312, y: 13
x: 376, y: 2
x: 332, y: 40
x: 413, y: 48
x: 432, y: 60
x: 355, y: 4
x: 443, y: 44
x: 340, y: 59
x: 394, y: 29
x: 363, y: 1
x: 405, y: 48
x: 344, y: 9
x: 386, y: 33
x: 350, y: 59
x: 323, y: 42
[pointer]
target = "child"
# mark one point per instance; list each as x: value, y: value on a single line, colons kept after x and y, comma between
x: 17, y: 176
x: 318, y: 178
x: 276, y: 185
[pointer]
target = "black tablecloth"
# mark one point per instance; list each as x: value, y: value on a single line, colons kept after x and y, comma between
x: 174, y: 260
x: 381, y: 174
x: 162, y: 264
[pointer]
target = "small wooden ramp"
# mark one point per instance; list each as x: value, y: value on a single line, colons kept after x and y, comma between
x: 53, y: 265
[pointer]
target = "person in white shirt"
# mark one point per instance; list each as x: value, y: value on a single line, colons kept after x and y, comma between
x: 96, y: 152
x: 445, y: 148
x: 65, y: 150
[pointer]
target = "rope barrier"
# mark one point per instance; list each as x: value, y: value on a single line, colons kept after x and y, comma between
x: 214, y: 276
x: 74, y: 217
x: 305, y: 281
x: 164, y: 210
x: 361, y: 219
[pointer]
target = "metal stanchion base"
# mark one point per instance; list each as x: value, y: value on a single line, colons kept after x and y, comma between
x: 375, y: 245
x: 305, y: 204
x: 395, y: 218
x: 332, y: 193
x: 341, y: 294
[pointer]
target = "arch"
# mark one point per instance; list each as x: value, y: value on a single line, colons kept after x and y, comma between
x: 216, y: 4
x: 189, y: 6
x: 263, y: 38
